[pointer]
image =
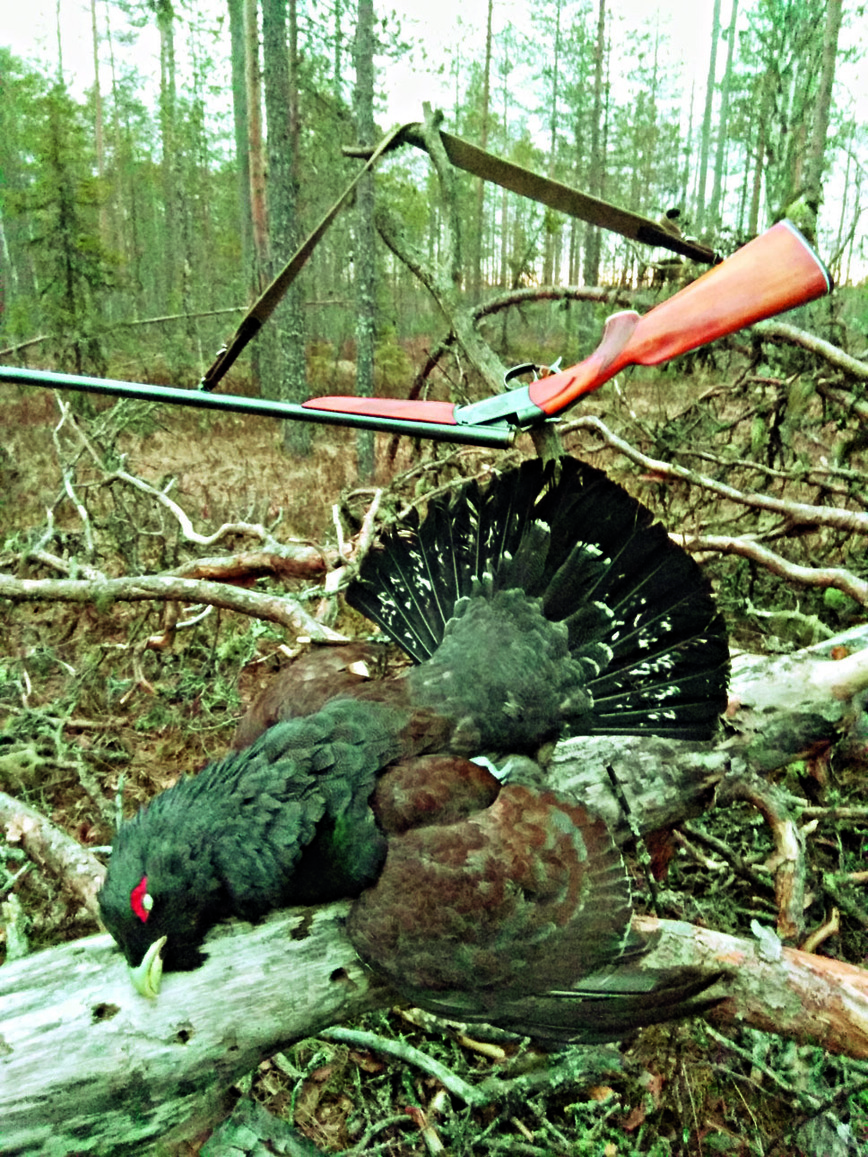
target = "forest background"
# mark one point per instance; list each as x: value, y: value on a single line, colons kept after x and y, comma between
x: 138, y: 217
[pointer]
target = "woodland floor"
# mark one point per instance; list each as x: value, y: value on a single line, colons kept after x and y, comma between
x: 68, y: 688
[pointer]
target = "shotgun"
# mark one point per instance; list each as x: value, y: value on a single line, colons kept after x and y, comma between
x: 776, y: 271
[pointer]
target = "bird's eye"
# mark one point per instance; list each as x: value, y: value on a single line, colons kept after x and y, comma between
x: 140, y: 901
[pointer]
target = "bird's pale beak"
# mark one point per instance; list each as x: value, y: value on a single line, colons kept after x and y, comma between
x: 147, y: 976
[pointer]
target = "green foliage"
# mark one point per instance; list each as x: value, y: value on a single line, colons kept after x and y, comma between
x: 61, y: 202
x: 393, y: 366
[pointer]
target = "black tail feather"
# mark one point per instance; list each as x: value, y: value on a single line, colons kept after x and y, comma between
x: 640, y: 618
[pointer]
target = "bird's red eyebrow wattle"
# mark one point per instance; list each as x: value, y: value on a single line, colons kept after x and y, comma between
x: 139, y: 899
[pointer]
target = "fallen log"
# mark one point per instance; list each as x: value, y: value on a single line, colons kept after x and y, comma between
x: 87, y: 1066
x: 807, y: 998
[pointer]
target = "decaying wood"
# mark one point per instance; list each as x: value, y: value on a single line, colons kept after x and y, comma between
x: 60, y: 855
x: 89, y: 1066
x: 789, y: 858
x: 294, y: 561
x: 798, y: 513
x: 780, y: 708
x: 145, y: 588
x: 832, y: 354
x: 810, y: 999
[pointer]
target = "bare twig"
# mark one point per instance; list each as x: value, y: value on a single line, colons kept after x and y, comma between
x: 827, y: 929
x: 66, y: 471
x: 826, y: 576
x: 736, y: 862
x: 406, y: 1052
x: 836, y: 357
x: 55, y: 852
x: 142, y: 588
x: 854, y: 522
x: 834, y: 814
x: 788, y: 862
x: 64, y: 565
x: 443, y: 281
x: 251, y: 530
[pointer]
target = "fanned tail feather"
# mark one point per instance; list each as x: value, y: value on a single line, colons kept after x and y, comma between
x: 641, y: 622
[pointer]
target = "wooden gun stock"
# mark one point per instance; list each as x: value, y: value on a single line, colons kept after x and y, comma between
x: 776, y: 271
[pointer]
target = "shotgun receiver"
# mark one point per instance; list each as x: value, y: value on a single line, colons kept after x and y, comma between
x: 776, y: 271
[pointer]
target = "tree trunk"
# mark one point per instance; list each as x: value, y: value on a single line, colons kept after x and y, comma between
x: 820, y: 128
x: 723, y: 118
x: 131, y: 1075
x: 552, y: 219
x: 688, y: 147
x: 761, y: 122
x: 90, y: 1067
x: 284, y: 354
x: 365, y: 256
x: 476, y: 239
x: 99, y: 141
x: 337, y: 45
x: 596, y: 164
x: 255, y: 147
x: 705, y: 143
x: 171, y: 193
x: 241, y: 120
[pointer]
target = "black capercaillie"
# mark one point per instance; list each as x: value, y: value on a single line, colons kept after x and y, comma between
x: 545, y: 603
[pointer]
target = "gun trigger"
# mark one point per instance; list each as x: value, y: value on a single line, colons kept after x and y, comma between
x: 538, y: 371
x: 517, y: 371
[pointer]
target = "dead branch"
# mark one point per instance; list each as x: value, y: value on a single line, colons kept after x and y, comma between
x: 846, y: 399
x: 821, y: 679
x: 89, y: 1067
x: 53, y: 851
x: 64, y: 565
x: 799, y: 513
x: 826, y: 931
x: 128, y: 1071
x: 282, y: 610
x: 443, y: 280
x: 812, y: 999
x: 788, y: 863
x: 782, y: 331
x: 780, y: 708
x: 479, y: 354
x: 600, y: 295
x: 295, y: 560
x: 517, y: 297
x: 188, y: 532
x: 843, y: 580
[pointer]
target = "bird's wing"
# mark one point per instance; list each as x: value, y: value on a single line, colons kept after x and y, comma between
x: 520, y: 898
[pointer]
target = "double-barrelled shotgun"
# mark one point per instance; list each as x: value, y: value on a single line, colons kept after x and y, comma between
x: 775, y: 272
